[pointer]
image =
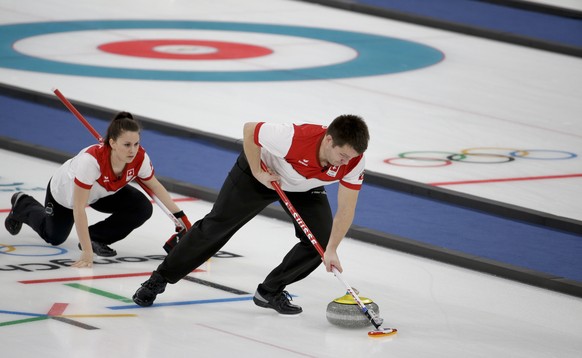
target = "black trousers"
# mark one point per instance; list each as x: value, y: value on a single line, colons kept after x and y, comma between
x: 241, y: 198
x: 129, y: 209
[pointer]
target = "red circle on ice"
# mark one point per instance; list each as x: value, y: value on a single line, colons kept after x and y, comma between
x: 185, y: 49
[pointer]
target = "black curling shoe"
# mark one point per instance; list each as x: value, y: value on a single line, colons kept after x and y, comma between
x: 280, y: 302
x: 146, y: 294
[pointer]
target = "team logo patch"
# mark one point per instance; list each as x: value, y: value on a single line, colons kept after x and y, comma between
x: 332, y: 171
x: 130, y: 174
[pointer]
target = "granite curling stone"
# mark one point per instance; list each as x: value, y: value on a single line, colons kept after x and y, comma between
x: 345, y: 312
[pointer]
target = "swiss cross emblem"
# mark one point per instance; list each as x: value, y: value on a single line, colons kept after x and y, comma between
x: 129, y: 175
x: 332, y: 171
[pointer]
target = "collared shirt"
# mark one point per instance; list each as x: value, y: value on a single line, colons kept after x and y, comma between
x: 91, y: 169
x: 292, y: 151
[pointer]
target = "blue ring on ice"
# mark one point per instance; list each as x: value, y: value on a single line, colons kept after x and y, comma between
x: 377, y: 55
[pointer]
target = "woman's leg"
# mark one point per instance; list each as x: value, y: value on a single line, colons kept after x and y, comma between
x: 52, y: 221
x: 129, y: 209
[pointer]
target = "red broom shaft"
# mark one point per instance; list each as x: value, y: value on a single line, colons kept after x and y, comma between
x: 79, y: 116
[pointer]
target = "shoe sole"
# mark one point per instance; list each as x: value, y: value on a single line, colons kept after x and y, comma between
x: 140, y: 302
x: 261, y: 303
x: 105, y: 255
x: 12, y: 229
x: 114, y: 253
x: 268, y: 305
x: 144, y: 303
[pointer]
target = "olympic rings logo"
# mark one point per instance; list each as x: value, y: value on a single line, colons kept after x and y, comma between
x: 480, y: 155
x: 51, y: 250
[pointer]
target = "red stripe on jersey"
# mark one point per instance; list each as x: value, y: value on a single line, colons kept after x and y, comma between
x: 350, y: 185
x: 256, y: 135
x: 148, y: 178
x: 82, y: 185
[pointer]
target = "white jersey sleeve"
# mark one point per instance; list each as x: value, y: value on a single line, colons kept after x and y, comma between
x: 146, y: 171
x: 83, y: 168
x: 276, y: 138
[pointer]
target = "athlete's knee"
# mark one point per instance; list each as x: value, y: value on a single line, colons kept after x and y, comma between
x: 55, y: 239
x: 141, y: 211
x: 145, y: 212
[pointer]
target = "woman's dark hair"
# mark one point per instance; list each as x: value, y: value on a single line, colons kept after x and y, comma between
x: 122, y: 122
x: 351, y: 130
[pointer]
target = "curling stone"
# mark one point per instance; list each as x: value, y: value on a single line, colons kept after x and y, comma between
x: 345, y: 312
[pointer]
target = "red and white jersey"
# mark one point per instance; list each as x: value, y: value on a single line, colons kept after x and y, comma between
x: 91, y: 169
x: 291, y: 150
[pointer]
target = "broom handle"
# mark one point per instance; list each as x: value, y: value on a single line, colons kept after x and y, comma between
x: 376, y: 321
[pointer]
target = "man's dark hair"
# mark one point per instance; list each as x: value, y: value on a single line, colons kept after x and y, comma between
x: 351, y: 130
